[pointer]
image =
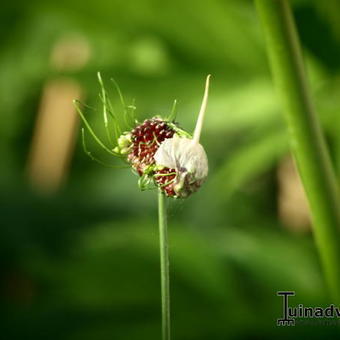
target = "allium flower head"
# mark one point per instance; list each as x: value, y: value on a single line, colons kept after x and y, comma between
x: 145, y: 139
x: 162, y: 154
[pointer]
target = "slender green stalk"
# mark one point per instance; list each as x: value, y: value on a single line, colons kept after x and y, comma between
x: 164, y: 255
x: 307, y: 141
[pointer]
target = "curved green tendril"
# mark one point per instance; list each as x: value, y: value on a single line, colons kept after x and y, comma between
x: 88, y: 126
x: 122, y: 100
x: 166, y: 183
x: 169, y: 174
x: 173, y: 113
x: 103, y: 98
x: 88, y: 153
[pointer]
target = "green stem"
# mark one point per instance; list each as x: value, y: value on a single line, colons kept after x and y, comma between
x: 164, y: 255
x: 307, y: 141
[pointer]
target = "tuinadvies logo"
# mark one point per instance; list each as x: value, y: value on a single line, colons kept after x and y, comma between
x: 290, y: 314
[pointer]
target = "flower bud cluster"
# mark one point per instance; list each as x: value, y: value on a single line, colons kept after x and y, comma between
x: 163, y: 154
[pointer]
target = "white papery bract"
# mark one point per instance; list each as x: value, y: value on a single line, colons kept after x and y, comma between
x: 188, y: 158
x: 184, y: 155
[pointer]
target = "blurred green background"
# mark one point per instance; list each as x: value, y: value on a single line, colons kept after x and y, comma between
x: 80, y: 257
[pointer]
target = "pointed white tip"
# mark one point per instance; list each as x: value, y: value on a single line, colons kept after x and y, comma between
x: 199, y: 123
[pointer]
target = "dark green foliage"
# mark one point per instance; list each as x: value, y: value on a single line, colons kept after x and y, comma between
x: 84, y: 264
